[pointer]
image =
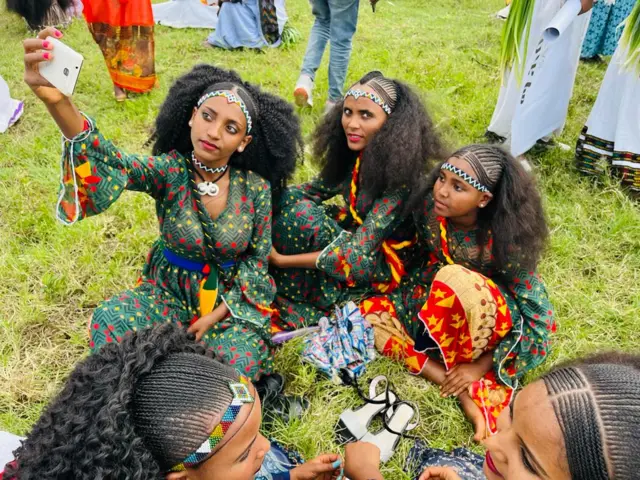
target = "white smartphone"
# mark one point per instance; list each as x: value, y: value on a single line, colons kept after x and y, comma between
x: 63, y: 70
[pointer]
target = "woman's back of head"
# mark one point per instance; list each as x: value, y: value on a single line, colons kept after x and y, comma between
x: 131, y: 410
x: 597, y: 404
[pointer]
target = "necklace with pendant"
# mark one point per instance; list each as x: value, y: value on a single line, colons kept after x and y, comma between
x: 211, y: 188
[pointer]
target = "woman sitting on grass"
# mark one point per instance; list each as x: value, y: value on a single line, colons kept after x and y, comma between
x: 580, y: 421
x: 480, y: 317
x: 223, y: 148
x: 373, y: 147
x: 155, y: 406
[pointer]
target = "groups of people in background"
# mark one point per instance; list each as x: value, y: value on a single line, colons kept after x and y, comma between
x: 439, y: 251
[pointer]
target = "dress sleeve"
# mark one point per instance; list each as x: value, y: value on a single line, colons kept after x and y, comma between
x: 528, y: 346
x: 354, y: 256
x: 252, y: 290
x: 94, y: 173
x: 317, y: 190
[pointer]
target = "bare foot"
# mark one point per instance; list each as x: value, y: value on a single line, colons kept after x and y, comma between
x: 119, y: 94
x: 475, y: 416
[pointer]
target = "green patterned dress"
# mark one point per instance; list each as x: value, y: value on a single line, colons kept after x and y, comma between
x: 351, y: 263
x: 192, y: 246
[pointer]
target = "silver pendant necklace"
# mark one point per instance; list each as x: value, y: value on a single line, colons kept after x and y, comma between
x: 211, y: 188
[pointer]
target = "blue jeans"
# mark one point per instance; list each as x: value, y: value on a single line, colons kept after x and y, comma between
x: 335, y: 23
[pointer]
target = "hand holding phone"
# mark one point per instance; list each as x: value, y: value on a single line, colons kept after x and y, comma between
x: 63, y: 69
x: 36, y: 52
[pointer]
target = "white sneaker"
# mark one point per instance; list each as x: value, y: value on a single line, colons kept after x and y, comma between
x: 303, y: 90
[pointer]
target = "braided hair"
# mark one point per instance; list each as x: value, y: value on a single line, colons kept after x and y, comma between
x: 276, y: 146
x: 398, y: 154
x: 597, y: 404
x: 514, y: 215
x: 132, y: 410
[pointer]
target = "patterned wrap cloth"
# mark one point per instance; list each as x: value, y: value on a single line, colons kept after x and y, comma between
x: 193, y: 248
x: 456, y: 307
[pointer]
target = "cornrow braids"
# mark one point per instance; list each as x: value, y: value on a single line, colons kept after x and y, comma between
x: 597, y: 404
x: 276, y: 145
x: 132, y: 410
x: 399, y: 154
x: 514, y: 218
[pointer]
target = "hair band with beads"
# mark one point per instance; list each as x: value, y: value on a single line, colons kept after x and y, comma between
x: 241, y: 396
x: 231, y: 98
x: 356, y: 94
x: 466, y: 177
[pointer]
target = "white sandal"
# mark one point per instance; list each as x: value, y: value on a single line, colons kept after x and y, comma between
x: 354, y: 424
x: 397, y: 421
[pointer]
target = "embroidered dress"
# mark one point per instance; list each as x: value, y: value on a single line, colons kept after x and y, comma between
x: 605, y: 27
x: 123, y: 29
x: 611, y: 136
x: 197, y: 263
x: 456, y: 307
x: 365, y: 247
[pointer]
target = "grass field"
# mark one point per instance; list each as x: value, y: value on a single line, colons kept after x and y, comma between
x: 51, y: 277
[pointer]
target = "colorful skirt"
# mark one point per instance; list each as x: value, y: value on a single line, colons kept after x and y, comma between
x: 465, y: 315
x: 123, y: 29
x: 610, y: 140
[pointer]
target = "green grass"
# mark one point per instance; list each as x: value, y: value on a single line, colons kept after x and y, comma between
x: 51, y: 277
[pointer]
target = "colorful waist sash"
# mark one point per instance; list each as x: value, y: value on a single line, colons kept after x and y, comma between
x: 208, y: 294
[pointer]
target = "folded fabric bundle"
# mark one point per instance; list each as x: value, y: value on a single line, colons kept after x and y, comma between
x: 343, y: 343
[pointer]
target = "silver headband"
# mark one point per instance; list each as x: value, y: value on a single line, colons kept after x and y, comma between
x: 466, y: 177
x: 231, y: 98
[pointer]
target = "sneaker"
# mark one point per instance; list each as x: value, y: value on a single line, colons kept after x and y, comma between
x: 303, y: 90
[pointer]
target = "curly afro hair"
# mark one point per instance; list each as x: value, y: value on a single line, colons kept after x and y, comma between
x: 132, y: 410
x: 514, y: 215
x: 398, y: 156
x: 277, y: 144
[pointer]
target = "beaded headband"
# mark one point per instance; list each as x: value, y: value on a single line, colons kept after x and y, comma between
x: 241, y: 396
x: 356, y: 94
x: 231, y: 98
x: 466, y: 177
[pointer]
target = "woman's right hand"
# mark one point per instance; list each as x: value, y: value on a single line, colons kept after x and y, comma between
x: 38, y: 50
x: 439, y: 473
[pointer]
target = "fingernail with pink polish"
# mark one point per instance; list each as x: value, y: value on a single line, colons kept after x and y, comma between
x: 47, y: 55
x: 46, y: 44
x: 58, y: 33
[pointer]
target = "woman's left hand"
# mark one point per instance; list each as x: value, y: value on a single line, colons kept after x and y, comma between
x: 204, y: 323
x: 324, y: 467
x: 459, y: 378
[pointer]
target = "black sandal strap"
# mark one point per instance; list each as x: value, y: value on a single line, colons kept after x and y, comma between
x: 386, y: 426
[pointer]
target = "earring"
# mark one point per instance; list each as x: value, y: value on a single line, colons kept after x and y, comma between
x: 190, y: 123
x: 482, y: 205
x: 240, y: 149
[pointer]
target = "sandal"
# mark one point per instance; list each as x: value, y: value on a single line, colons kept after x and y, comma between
x: 275, y: 404
x: 354, y: 424
x: 396, y: 421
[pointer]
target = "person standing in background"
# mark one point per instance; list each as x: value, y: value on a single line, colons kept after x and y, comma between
x: 605, y: 27
x: 123, y: 29
x: 336, y: 22
x: 537, y: 75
